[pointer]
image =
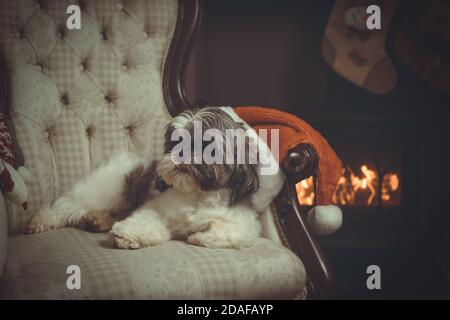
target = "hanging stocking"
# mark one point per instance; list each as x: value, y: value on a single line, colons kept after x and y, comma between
x: 357, y: 53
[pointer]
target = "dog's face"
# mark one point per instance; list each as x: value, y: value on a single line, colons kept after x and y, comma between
x: 194, y: 173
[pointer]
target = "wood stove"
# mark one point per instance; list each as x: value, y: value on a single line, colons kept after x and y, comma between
x: 377, y: 189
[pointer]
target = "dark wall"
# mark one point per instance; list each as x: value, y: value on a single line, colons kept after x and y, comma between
x: 262, y: 53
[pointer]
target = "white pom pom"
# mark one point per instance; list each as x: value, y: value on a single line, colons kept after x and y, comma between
x: 325, y: 220
x: 24, y: 173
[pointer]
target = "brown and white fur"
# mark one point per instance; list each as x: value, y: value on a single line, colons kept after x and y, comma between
x: 205, y: 204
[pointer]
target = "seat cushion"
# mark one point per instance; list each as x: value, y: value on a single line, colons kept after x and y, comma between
x: 36, y: 269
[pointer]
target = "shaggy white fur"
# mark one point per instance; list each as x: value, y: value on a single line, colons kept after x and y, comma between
x: 99, y: 191
x: 181, y: 212
x: 204, y: 219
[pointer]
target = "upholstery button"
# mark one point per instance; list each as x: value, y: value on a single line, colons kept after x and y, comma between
x: 124, y: 67
x: 103, y: 35
x: 145, y: 34
x: 60, y: 35
x: 48, y: 133
x: 39, y: 66
x: 90, y: 131
x: 65, y: 99
x: 119, y: 6
x: 19, y: 34
x: 38, y: 5
x: 109, y: 98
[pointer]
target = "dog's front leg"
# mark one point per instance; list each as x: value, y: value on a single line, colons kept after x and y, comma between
x: 143, y: 228
x: 235, y: 227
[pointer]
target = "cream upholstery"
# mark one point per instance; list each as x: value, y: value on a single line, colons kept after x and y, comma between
x: 79, y: 96
x: 173, y: 270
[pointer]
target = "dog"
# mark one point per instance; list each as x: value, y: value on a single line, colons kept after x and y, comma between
x: 143, y: 203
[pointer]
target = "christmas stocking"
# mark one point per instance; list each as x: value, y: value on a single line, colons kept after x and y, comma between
x: 12, y: 181
x: 356, y: 52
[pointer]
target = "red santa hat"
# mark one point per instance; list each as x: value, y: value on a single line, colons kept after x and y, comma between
x: 325, y: 217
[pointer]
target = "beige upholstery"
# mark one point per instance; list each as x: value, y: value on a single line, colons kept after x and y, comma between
x: 79, y: 96
x: 173, y: 270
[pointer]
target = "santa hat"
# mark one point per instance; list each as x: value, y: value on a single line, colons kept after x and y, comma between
x: 325, y: 217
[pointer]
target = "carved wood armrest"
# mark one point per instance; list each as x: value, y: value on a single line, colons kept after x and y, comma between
x: 299, y: 164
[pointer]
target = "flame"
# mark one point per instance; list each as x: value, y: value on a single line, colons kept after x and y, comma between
x: 354, y: 189
x: 305, y: 191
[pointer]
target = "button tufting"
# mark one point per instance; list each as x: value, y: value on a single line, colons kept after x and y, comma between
x: 119, y: 6
x: 19, y: 34
x: 38, y: 5
x: 103, y: 35
x: 65, y: 99
x: 124, y: 67
x: 129, y: 129
x: 48, y: 133
x: 109, y: 98
x: 39, y: 67
x: 90, y: 131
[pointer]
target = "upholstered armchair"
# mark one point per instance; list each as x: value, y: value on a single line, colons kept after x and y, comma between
x: 78, y: 96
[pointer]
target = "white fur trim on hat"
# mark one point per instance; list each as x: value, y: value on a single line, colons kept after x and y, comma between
x: 325, y: 220
x: 271, y: 177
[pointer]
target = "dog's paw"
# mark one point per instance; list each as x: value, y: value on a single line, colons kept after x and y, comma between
x: 41, y: 222
x: 98, y: 221
x: 222, y: 235
x: 209, y: 240
x: 139, y: 234
x: 215, y: 237
x: 123, y: 243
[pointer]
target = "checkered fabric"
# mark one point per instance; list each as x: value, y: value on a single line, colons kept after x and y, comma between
x: 79, y: 96
x: 37, y: 264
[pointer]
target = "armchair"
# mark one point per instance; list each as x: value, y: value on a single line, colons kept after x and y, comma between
x: 80, y: 95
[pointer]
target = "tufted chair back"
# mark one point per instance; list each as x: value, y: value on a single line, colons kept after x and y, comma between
x: 79, y: 96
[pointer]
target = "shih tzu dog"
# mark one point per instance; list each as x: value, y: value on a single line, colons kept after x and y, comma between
x: 143, y: 203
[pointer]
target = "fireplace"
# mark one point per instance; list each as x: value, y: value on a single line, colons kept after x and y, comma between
x: 379, y: 186
x: 366, y: 180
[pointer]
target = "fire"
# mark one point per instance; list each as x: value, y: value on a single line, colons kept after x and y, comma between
x: 305, y: 191
x: 355, y: 188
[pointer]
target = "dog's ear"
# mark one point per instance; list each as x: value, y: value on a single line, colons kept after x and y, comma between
x: 244, y: 179
x: 243, y: 182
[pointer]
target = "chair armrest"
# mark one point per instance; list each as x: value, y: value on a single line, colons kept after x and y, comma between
x: 3, y: 232
x: 299, y: 159
x: 299, y: 164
